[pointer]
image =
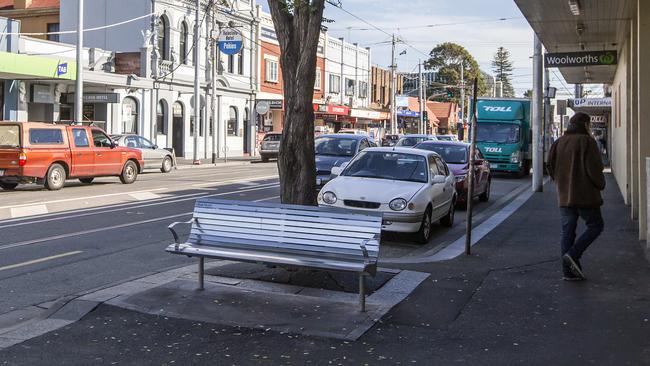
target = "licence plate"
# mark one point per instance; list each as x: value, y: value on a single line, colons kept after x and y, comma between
x: 494, y: 166
x: 2, y: 172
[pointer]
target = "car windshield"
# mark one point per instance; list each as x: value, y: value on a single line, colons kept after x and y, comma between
x: 9, y: 136
x: 392, y: 137
x: 410, y: 141
x: 389, y: 165
x: 335, y: 146
x: 500, y: 133
x: 445, y: 138
x: 273, y: 137
x: 450, y: 154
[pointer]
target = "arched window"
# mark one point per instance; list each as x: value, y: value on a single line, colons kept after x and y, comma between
x: 130, y: 115
x: 163, y: 38
x: 161, y: 117
x: 232, y: 121
x: 182, y: 49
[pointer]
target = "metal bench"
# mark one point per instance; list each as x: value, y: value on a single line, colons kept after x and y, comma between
x: 282, y: 235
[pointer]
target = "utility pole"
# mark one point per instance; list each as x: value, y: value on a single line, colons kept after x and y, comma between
x: 536, y: 111
x: 79, y: 87
x: 422, y: 101
x: 342, y: 93
x: 461, y: 125
x: 547, y: 112
x: 197, y: 82
x: 393, y: 91
x: 213, y: 82
x: 471, y: 174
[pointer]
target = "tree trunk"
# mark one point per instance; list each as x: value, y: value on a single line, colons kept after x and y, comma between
x: 298, y: 32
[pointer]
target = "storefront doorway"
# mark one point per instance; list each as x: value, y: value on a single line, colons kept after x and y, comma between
x: 247, y: 133
x: 178, y: 134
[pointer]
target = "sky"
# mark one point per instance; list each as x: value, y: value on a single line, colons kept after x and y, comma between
x: 475, y: 25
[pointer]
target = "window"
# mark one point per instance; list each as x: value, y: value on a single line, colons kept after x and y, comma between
x: 240, y: 62
x: 317, y: 84
x: 363, y: 89
x: 271, y: 71
x: 52, y: 28
x: 211, y: 127
x: 232, y: 122
x: 144, y: 143
x: 349, y: 87
x: 363, y: 145
x: 231, y: 63
x: 132, y: 142
x: 80, y: 137
x: 101, y: 140
x: 39, y: 136
x: 9, y: 136
x: 182, y: 49
x: 163, y: 38
x: 433, y: 166
x: 130, y: 115
x: 161, y: 117
x: 335, y: 84
x: 442, y: 167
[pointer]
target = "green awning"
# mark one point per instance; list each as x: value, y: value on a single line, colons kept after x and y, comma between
x: 19, y: 66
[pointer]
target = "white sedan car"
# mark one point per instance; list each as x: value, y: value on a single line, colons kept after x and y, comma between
x: 412, y: 188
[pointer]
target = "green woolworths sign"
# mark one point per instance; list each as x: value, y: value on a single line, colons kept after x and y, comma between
x: 13, y: 65
x: 589, y: 58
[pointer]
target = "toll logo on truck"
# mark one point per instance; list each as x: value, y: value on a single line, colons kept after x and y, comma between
x: 497, y: 109
x: 493, y: 149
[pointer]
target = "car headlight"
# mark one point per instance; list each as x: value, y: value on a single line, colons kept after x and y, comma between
x: 329, y: 198
x: 398, y: 204
x: 515, y: 157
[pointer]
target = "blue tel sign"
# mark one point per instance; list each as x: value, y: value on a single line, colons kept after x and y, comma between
x: 230, y: 41
x: 62, y: 69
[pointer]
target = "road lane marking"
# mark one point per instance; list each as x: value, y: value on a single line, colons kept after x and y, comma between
x: 144, y: 196
x: 83, y: 198
x: 92, y: 231
x: 24, y: 211
x: 267, y: 199
x: 40, y: 260
x: 233, y: 181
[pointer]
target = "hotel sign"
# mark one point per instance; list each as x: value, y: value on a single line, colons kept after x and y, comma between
x: 590, y: 103
x: 588, y: 58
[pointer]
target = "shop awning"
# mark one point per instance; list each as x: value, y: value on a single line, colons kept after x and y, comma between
x: 25, y: 67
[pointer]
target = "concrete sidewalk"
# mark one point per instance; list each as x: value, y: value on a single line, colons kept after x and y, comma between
x: 504, y: 305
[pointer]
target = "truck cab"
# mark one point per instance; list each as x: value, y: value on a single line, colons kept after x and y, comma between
x: 503, y: 134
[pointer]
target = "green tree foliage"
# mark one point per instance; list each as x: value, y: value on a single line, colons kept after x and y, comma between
x: 528, y: 93
x: 446, y: 59
x: 502, y: 68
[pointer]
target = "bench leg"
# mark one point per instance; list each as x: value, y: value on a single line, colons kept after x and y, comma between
x: 362, y: 292
x: 201, y: 272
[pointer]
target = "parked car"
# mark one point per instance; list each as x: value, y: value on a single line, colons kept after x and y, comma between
x: 412, y: 188
x: 154, y: 157
x: 456, y: 155
x: 412, y: 140
x: 48, y: 154
x: 447, y: 137
x: 270, y: 147
x: 333, y: 150
x: 390, y: 140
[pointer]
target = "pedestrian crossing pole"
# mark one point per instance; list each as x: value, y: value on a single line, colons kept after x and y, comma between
x: 79, y: 86
x: 470, y: 174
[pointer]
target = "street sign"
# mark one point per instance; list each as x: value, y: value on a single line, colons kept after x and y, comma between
x: 590, y: 102
x: 230, y: 41
x: 262, y: 107
x: 588, y: 58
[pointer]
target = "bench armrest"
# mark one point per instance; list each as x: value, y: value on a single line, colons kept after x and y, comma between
x: 175, y: 234
x: 365, y: 250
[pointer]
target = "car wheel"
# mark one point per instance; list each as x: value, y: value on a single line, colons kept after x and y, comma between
x: 8, y: 186
x: 86, y: 180
x: 424, y: 234
x: 448, y: 220
x: 129, y: 173
x: 166, y: 165
x: 55, y: 178
x: 485, y: 196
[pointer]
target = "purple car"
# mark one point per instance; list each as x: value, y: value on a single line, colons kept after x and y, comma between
x: 456, y: 155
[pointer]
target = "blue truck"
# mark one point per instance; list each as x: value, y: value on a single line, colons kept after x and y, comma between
x: 504, y: 134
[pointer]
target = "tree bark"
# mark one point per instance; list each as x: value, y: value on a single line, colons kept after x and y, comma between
x: 298, y: 30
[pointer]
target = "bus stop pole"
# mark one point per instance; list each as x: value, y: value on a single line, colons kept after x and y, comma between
x: 470, y: 174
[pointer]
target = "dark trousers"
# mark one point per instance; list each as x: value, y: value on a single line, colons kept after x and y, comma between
x: 595, y: 224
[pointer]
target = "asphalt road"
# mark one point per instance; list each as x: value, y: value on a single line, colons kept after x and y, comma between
x: 89, y: 236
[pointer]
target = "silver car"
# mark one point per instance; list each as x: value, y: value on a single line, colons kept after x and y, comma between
x: 270, y: 147
x: 153, y: 156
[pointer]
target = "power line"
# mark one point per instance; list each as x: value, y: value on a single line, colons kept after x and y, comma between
x: 74, y: 31
x: 437, y: 24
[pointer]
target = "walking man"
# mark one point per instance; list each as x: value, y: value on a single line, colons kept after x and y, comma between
x: 575, y: 164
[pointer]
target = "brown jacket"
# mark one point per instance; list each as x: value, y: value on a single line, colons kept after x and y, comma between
x: 575, y: 165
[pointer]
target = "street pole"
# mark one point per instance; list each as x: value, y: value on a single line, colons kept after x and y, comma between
x: 547, y: 112
x: 197, y: 82
x: 421, y: 129
x: 213, y: 82
x: 342, y: 93
x: 393, y: 91
x: 79, y: 86
x: 536, y: 111
x: 462, y: 98
x: 470, y: 174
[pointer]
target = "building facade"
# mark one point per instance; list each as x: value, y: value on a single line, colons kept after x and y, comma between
x: 35, y: 16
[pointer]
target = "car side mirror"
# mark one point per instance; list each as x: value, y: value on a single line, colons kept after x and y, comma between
x: 336, y: 171
x: 154, y: 147
x: 113, y: 144
x: 439, y: 179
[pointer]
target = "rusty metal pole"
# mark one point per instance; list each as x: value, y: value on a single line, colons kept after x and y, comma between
x: 470, y: 175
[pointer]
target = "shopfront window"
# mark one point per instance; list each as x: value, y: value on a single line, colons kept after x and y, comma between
x: 163, y: 38
x: 161, y: 117
x: 232, y: 121
x: 182, y: 49
x: 130, y: 115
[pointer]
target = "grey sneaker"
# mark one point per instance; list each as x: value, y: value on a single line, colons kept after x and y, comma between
x: 573, y: 264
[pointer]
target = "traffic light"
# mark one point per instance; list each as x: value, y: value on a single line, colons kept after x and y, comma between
x: 450, y: 93
x: 426, y: 116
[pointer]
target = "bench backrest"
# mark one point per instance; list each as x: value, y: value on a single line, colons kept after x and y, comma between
x: 286, y: 229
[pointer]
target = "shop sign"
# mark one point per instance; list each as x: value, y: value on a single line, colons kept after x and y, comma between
x: 42, y: 94
x: 602, y: 119
x: 590, y: 102
x: 273, y: 103
x: 363, y: 113
x: 402, y: 101
x: 230, y: 41
x: 262, y: 107
x: 587, y: 58
x: 332, y: 109
x: 35, y: 67
x: 408, y: 113
x: 98, y: 98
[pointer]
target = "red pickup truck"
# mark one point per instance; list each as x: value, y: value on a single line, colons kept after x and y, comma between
x: 32, y: 152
